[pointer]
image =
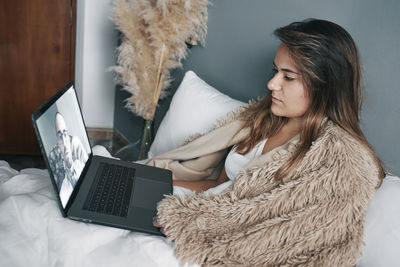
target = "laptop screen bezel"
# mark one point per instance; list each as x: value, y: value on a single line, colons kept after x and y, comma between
x: 35, y: 116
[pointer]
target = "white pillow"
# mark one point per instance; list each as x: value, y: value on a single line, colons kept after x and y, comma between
x: 382, y: 227
x: 195, y: 108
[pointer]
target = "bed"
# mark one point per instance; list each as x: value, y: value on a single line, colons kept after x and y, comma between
x: 33, y: 232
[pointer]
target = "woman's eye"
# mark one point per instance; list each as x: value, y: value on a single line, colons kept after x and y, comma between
x: 287, y: 78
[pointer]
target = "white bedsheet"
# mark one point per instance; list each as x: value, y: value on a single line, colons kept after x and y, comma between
x: 34, y: 233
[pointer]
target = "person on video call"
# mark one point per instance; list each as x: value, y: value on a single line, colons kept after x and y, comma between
x: 66, y: 159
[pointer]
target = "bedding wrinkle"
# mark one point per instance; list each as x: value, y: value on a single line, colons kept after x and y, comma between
x: 33, y: 237
x: 6, y: 172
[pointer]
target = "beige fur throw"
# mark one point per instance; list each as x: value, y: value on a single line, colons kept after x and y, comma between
x: 315, y: 217
x: 153, y: 42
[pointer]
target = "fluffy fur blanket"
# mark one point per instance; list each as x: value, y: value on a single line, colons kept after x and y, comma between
x: 315, y: 217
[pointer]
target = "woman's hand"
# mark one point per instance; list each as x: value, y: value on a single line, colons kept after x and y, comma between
x: 157, y: 224
x: 197, y: 186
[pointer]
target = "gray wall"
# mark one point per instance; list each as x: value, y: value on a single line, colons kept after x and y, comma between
x: 240, y: 48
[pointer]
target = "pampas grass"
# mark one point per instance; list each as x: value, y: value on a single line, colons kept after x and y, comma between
x: 154, y: 39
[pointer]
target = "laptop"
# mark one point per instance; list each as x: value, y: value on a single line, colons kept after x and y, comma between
x: 91, y: 188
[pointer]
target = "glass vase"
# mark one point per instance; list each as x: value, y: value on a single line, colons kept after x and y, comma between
x: 139, y: 149
x: 146, y: 140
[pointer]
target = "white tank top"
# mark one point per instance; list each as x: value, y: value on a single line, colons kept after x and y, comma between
x: 234, y: 162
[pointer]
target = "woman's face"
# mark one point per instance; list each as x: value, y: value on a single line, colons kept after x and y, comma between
x: 289, y: 97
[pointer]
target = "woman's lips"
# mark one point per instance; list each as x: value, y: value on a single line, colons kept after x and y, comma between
x: 276, y: 99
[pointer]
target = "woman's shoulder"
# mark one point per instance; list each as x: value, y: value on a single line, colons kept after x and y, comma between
x: 332, y: 134
x: 340, y: 146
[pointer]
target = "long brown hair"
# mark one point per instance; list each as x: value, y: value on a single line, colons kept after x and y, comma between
x: 327, y: 58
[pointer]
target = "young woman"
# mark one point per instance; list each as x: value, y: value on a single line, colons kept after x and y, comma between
x: 303, y: 173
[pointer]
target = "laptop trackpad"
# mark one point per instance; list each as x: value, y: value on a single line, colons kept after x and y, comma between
x: 147, y: 193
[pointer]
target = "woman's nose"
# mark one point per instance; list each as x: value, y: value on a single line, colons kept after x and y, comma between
x: 274, y: 83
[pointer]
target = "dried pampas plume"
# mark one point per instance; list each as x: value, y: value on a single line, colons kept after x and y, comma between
x: 154, y: 36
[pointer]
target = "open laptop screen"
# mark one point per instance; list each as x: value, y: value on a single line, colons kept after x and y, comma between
x: 64, y: 140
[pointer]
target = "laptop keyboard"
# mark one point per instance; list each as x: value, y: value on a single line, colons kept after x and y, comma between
x: 111, y: 190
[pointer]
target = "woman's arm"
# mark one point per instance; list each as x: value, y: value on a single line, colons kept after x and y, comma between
x: 267, y: 222
x: 200, y: 186
x: 323, y: 206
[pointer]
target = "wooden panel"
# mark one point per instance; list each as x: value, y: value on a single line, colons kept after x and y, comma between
x: 36, y: 58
